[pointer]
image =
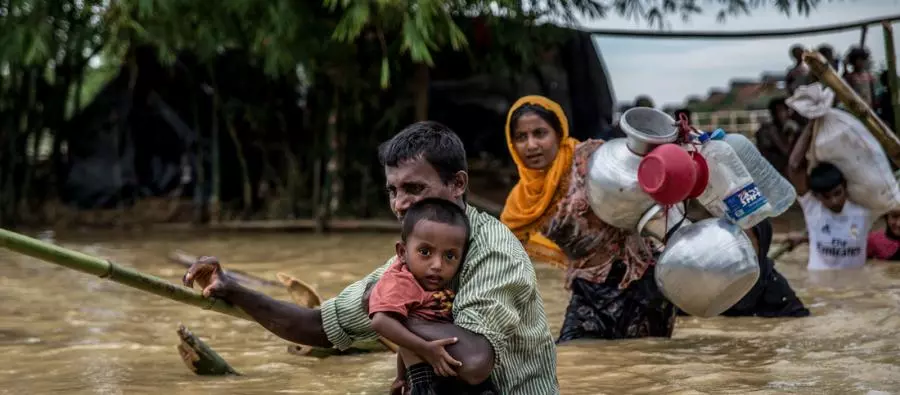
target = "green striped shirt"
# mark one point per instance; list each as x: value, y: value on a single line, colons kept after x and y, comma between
x: 497, y: 297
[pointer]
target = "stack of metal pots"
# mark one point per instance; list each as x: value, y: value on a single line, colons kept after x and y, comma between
x: 705, y: 267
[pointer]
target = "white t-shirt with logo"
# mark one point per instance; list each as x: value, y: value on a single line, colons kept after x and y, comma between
x: 836, y: 240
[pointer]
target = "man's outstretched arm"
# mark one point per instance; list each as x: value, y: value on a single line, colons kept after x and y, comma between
x: 339, y: 322
x: 288, y: 321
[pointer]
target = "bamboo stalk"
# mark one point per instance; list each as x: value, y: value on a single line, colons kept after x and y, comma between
x: 120, y: 274
x: 855, y: 104
x: 132, y: 278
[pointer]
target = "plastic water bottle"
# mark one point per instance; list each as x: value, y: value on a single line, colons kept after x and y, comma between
x: 731, y: 192
x: 777, y: 190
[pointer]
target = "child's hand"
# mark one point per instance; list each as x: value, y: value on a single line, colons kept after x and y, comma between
x: 398, y: 387
x: 440, y: 359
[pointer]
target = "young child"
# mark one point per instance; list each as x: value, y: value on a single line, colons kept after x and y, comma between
x: 885, y: 244
x: 433, y: 241
x: 836, y: 226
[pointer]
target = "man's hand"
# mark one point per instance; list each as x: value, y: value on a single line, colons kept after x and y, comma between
x: 210, y: 276
x: 439, y: 359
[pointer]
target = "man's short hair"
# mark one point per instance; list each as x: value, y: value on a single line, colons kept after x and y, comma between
x: 825, y: 177
x: 429, y: 140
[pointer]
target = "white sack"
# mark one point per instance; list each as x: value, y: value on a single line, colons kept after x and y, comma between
x: 842, y: 140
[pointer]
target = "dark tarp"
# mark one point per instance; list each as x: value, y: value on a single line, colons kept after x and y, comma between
x: 572, y: 75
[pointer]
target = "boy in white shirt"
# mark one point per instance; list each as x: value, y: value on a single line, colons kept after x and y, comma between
x: 837, y: 228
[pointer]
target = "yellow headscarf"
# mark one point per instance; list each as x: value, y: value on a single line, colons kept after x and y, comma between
x: 533, y: 200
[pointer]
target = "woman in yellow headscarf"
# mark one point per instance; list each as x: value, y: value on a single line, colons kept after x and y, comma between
x: 614, y: 296
x: 537, y: 134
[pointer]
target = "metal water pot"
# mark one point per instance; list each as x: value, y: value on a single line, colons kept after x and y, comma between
x: 612, y: 185
x: 707, y: 267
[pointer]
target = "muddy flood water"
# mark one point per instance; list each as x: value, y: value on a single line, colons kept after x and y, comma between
x: 67, y: 332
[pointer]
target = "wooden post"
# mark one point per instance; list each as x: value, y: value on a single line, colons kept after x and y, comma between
x: 331, y: 165
x: 215, y: 212
x: 891, y: 54
x: 421, y: 82
x: 862, y: 36
x: 317, y: 198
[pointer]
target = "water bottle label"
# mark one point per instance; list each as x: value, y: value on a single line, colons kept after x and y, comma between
x: 744, y: 201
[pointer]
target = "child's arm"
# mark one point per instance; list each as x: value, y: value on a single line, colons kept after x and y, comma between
x: 400, y: 381
x: 433, y: 352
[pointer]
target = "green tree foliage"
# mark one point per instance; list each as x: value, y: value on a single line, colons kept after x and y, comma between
x: 352, y: 50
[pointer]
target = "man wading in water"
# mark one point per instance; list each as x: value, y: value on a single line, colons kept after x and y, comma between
x: 499, y: 317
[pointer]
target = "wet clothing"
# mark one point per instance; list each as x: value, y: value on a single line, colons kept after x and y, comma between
x: 614, y: 294
x: 422, y: 381
x: 836, y: 240
x: 883, y: 245
x: 399, y: 292
x: 496, y: 297
x: 771, y: 296
x: 605, y: 311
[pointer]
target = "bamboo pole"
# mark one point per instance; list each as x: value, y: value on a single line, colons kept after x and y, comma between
x: 132, y: 278
x: 891, y: 54
x: 120, y: 274
x: 820, y: 68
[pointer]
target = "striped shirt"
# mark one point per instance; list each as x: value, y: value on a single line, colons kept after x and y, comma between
x: 497, y: 297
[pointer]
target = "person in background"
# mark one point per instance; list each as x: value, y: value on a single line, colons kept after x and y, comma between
x: 836, y: 226
x: 687, y: 114
x: 885, y: 244
x: 644, y: 101
x: 798, y: 75
x: 538, y: 139
x: 884, y: 105
x: 858, y: 76
x: 828, y: 52
x: 432, y: 246
x: 615, y: 131
x: 775, y: 138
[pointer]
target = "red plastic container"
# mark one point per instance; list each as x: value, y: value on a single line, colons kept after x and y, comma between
x: 668, y: 174
x: 702, y: 175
